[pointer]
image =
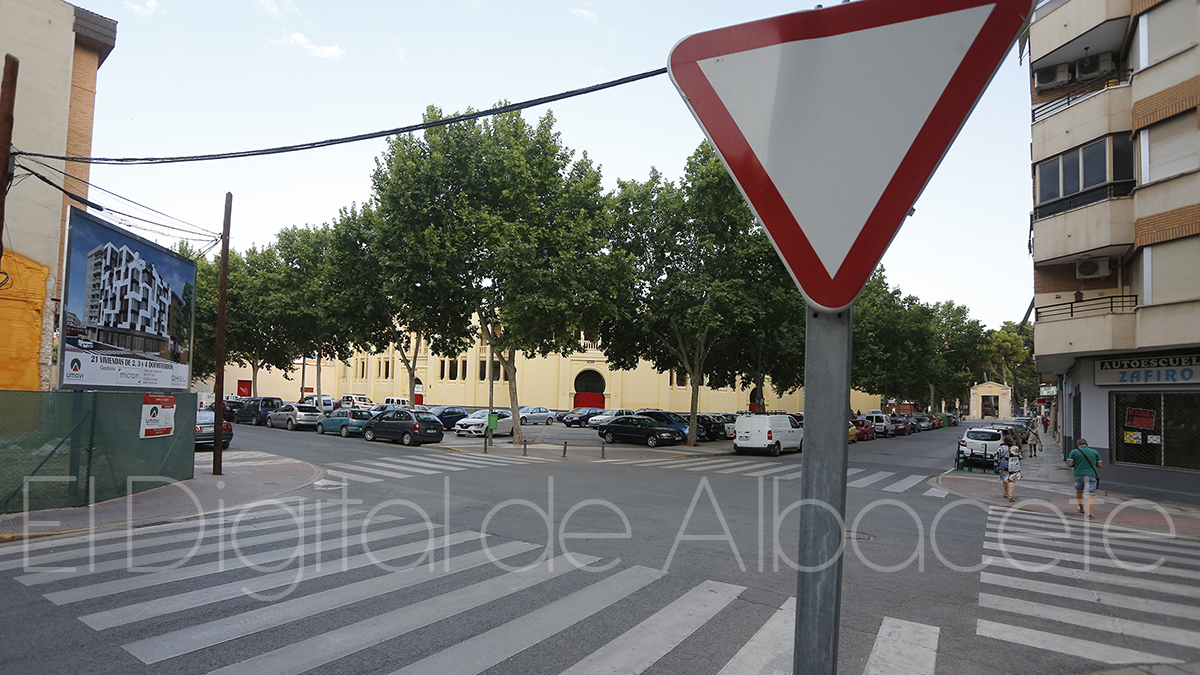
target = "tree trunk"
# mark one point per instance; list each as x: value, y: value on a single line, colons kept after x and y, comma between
x: 760, y: 383
x: 509, y: 364
x: 254, y: 366
x: 320, y: 401
x: 691, y: 440
x: 411, y: 367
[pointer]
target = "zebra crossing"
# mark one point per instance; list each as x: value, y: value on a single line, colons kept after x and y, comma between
x: 778, y: 470
x: 427, y: 464
x: 1124, y: 596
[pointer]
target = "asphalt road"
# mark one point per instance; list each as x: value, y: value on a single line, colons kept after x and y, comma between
x: 665, y: 566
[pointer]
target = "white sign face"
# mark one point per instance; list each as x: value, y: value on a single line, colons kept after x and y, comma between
x: 158, y: 416
x: 1048, y: 390
x: 419, y: 389
x: 1149, y: 370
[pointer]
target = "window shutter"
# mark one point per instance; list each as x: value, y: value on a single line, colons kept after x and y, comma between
x: 1173, y: 147
x: 1172, y: 26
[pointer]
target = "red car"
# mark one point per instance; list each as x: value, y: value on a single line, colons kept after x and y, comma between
x: 866, y: 430
x: 903, y: 426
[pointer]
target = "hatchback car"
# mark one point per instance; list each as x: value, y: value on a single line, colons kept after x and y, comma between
x: 535, y: 415
x: 205, y: 432
x: 476, y: 423
x: 255, y: 410
x: 865, y: 430
x: 579, y: 417
x: 902, y: 427
x: 409, y: 427
x: 295, y: 415
x: 638, y: 429
x: 448, y: 414
x: 229, y: 410
x: 353, y: 401
x: 344, y: 422
x: 981, y: 444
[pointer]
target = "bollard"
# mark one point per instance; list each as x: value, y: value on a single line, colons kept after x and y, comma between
x: 602, y: 446
x: 564, y: 449
x: 524, y: 449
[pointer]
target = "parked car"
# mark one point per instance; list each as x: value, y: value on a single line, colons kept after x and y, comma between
x: 923, y: 423
x: 607, y: 416
x: 901, y: 427
x: 980, y: 444
x: 770, y: 433
x: 343, y: 421
x: 535, y: 415
x: 853, y: 431
x: 255, y: 410
x: 294, y: 415
x: 326, y: 404
x: 398, y: 400
x: 579, y: 417
x: 670, y: 419
x: 206, y: 432
x: 354, y: 401
x: 731, y: 424
x: 883, y: 424
x: 409, y: 427
x: 476, y: 423
x: 448, y: 414
x: 229, y: 412
x: 639, y: 429
x: 1018, y: 430
x: 383, y: 407
x: 714, y: 428
x: 865, y: 430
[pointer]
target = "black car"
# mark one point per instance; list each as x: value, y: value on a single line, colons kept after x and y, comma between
x: 255, y: 410
x: 205, y: 433
x: 229, y: 411
x: 714, y: 428
x: 410, y: 427
x: 579, y: 417
x: 448, y: 414
x: 639, y: 429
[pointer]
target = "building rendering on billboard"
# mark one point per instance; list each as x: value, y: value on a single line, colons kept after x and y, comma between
x: 127, y: 317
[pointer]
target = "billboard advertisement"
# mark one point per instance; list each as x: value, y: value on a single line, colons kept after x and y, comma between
x: 127, y: 311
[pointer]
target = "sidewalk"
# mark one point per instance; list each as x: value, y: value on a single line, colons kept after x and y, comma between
x: 504, y: 447
x: 1046, y: 480
x: 249, y: 476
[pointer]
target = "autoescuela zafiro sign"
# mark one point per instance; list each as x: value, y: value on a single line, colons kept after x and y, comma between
x: 1149, y: 370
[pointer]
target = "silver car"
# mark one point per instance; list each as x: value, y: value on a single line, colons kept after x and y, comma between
x: 295, y: 415
x: 535, y: 415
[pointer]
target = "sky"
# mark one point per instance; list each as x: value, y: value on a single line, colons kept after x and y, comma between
x: 191, y: 77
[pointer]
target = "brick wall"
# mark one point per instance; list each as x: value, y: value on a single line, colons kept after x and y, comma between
x: 1061, y: 279
x: 1168, y: 225
x: 1167, y: 103
x: 84, y: 65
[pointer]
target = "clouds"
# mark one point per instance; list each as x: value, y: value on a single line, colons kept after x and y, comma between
x: 586, y: 15
x: 297, y: 38
x: 278, y: 8
x: 149, y: 8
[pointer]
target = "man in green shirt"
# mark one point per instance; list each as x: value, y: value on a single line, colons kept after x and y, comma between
x: 1085, y: 461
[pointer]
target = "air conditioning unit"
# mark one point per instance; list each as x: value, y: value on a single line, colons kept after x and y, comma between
x: 1091, y: 66
x: 1054, y: 76
x: 1092, y: 268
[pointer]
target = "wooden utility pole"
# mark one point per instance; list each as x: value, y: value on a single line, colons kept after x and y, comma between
x: 222, y: 284
x: 8, y: 100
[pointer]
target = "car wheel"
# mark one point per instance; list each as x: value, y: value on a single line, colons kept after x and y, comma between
x: 776, y: 449
x: 406, y: 439
x: 609, y: 438
x: 291, y: 424
x: 369, y: 434
x: 524, y: 421
x: 270, y: 424
x: 345, y: 432
x: 800, y: 448
x: 253, y: 421
x: 320, y: 428
x: 737, y: 450
x: 549, y: 421
x: 225, y: 445
x: 652, y: 440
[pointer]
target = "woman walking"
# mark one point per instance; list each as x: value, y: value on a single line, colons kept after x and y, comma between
x: 1034, y: 441
x: 1008, y: 462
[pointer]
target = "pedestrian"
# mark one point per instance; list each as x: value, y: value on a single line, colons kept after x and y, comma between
x: 1045, y: 424
x: 1008, y: 463
x: 1085, y: 461
x: 1034, y: 441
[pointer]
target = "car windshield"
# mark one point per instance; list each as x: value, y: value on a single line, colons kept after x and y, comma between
x: 479, y: 415
x: 613, y: 411
x: 525, y: 408
x: 205, y: 417
x: 438, y: 409
x: 426, y: 417
x: 981, y: 435
x: 307, y: 408
x: 360, y: 414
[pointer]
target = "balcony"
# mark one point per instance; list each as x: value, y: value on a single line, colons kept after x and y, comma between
x: 1090, y: 307
x: 1064, y: 332
x: 1100, y: 193
x: 1087, y: 90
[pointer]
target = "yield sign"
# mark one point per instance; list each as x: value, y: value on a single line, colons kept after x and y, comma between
x: 832, y: 121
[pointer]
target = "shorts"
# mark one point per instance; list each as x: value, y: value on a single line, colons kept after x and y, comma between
x: 1085, y: 484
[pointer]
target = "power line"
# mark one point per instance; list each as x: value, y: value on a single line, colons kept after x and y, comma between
x: 353, y: 139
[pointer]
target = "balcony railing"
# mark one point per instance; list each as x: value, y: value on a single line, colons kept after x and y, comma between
x: 1118, y: 188
x: 1093, y: 307
x: 1086, y: 90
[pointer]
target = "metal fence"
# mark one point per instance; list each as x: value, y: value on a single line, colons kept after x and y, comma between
x: 69, y: 448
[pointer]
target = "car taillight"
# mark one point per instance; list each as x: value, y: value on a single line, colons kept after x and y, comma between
x: 962, y: 442
x: 768, y: 434
x: 227, y: 426
x: 417, y: 426
x: 197, y: 428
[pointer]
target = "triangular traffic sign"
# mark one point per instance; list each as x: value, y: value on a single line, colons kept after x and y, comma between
x: 831, y: 121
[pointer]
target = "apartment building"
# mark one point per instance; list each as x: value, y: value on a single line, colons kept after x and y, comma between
x: 128, y: 302
x: 1115, y: 232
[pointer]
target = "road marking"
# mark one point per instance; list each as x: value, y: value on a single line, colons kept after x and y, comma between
x: 330, y: 646
x: 1061, y: 540
x: 488, y: 459
x: 639, y: 462
x: 1088, y: 559
x: 371, y: 470
x: 1149, y: 631
x: 390, y: 465
x: 696, y: 464
x: 641, y: 646
x: 778, y: 469
x: 353, y: 476
x: 754, y: 464
x: 129, y: 583
x: 488, y: 649
x: 1099, y: 597
x: 723, y: 464
x: 224, y: 629
x: 1096, y: 651
x: 903, y: 647
x: 406, y: 462
x: 770, y: 650
x: 868, y: 480
x: 904, y: 484
x: 851, y: 472
x: 258, y: 462
x: 789, y: 476
x: 936, y: 492
x: 1098, y: 577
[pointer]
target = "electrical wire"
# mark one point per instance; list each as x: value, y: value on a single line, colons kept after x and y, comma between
x: 353, y: 139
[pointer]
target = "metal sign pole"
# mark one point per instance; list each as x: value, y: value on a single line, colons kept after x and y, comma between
x: 823, y: 480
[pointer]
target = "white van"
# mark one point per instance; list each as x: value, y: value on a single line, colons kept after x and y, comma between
x: 883, y: 424
x: 770, y: 433
x: 396, y: 400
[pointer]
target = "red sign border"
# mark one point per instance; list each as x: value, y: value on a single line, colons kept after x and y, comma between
x: 968, y: 83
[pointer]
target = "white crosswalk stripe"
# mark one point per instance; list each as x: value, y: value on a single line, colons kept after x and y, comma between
x: 1058, y: 583
x: 408, y: 466
x: 219, y: 611
x: 786, y: 471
